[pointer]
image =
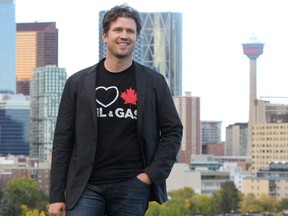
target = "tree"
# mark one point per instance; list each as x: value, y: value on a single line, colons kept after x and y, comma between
x: 186, y: 193
x: 23, y: 191
x: 268, y: 203
x: 250, y: 204
x: 215, y: 203
x: 283, y: 204
x: 202, y: 205
x: 182, y: 197
x: 179, y: 203
x: 229, y: 197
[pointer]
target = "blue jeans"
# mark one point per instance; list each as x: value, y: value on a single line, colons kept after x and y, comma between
x: 127, y: 198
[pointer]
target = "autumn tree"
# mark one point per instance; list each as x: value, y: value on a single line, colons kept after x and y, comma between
x: 268, y: 203
x: 249, y: 203
x: 179, y: 203
x: 202, y: 204
x: 22, y: 191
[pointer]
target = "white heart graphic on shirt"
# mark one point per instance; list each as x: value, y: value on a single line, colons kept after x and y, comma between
x: 107, y: 89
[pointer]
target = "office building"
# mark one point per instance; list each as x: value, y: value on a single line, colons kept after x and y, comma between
x: 269, y: 143
x: 236, y: 140
x: 215, y: 149
x: 36, y: 46
x: 14, y: 124
x: 203, y: 181
x: 46, y: 90
x: 211, y: 132
x: 7, y: 47
x: 274, y: 111
x: 188, y: 108
x: 159, y: 46
x: 271, y: 181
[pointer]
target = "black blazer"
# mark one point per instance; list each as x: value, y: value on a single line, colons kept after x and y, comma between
x: 159, y: 132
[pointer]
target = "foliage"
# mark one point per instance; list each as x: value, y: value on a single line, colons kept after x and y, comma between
x: 34, y: 212
x: 250, y: 204
x: 229, y: 197
x: 202, y: 204
x: 283, y: 204
x: 268, y: 204
x: 1, y: 194
x: 180, y: 203
x: 215, y: 203
x: 22, y: 191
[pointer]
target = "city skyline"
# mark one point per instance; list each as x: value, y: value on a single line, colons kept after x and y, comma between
x: 214, y: 66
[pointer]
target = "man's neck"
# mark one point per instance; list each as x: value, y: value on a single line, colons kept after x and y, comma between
x: 116, y: 65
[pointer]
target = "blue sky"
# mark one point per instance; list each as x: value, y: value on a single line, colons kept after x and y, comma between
x: 214, y: 66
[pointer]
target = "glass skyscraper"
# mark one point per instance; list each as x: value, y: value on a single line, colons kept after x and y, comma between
x: 46, y: 90
x: 36, y: 46
x: 7, y: 47
x: 14, y: 124
x: 159, y: 46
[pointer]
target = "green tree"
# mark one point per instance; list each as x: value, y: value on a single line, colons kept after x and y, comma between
x: 179, y: 203
x: 269, y: 204
x: 1, y: 194
x: 215, y: 203
x: 229, y: 197
x: 153, y: 209
x: 182, y: 197
x: 186, y: 193
x: 249, y: 204
x: 23, y: 191
x: 202, y: 204
x: 4, y: 204
x: 283, y: 204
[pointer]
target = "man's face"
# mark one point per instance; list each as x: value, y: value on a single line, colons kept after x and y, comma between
x: 121, y: 37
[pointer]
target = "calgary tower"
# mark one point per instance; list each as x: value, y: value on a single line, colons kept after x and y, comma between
x: 252, y: 49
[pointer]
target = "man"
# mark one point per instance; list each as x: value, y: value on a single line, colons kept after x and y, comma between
x: 117, y: 133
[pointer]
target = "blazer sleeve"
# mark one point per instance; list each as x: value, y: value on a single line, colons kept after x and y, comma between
x: 170, y: 130
x: 62, y: 143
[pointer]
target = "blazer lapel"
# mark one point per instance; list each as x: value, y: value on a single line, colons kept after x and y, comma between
x: 141, y: 81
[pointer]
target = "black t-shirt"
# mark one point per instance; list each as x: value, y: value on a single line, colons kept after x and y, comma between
x: 118, y: 154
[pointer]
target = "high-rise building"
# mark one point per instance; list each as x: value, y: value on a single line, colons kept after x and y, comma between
x: 188, y: 108
x: 36, y: 46
x: 7, y: 47
x: 14, y: 124
x: 211, y: 132
x: 236, y: 140
x: 269, y: 144
x: 211, y: 138
x: 46, y: 89
x: 269, y: 112
x: 159, y: 46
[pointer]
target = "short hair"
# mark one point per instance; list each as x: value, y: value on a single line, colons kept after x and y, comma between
x: 121, y: 11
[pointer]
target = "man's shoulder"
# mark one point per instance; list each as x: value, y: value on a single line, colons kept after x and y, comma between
x: 86, y: 70
x: 145, y: 70
x: 83, y: 72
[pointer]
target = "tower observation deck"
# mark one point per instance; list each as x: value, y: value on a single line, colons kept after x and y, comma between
x: 253, y: 48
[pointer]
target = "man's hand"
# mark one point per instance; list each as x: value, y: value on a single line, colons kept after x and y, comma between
x: 144, y: 178
x: 55, y: 209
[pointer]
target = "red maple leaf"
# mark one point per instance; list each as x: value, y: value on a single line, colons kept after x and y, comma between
x: 129, y: 96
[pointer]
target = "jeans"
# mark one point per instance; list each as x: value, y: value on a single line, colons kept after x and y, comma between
x: 126, y: 198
